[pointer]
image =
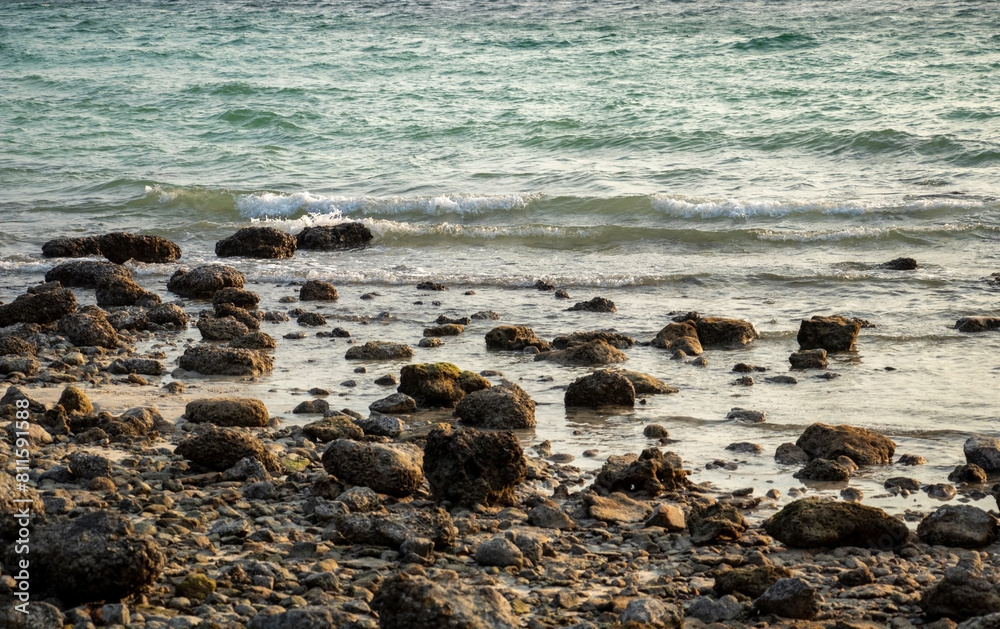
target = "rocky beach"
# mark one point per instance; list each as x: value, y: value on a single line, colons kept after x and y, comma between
x: 171, y: 484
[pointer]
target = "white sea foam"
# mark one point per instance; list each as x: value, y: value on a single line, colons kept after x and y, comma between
x: 270, y: 204
x: 744, y: 209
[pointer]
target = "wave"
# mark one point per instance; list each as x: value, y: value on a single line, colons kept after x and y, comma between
x: 271, y: 204
x: 692, y: 208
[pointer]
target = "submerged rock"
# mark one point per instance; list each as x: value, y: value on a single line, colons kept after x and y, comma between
x: 863, y: 446
x: 614, y: 339
x: 226, y: 361
x: 204, y: 281
x: 899, y: 264
x: 514, y: 338
x: 645, y: 384
x: 348, y: 235
x: 601, y: 388
x: 589, y: 354
x: 834, y: 333
x: 506, y: 406
x: 977, y: 324
x: 380, y: 350
x: 679, y: 336
x: 468, y: 467
x: 597, y: 304
x: 257, y: 242
x: 318, y: 290
x: 438, y: 384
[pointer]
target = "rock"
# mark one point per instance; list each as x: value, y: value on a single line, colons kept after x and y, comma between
x: 204, y: 281
x: 679, y: 336
x: 899, y: 264
x: 897, y: 483
x: 75, y: 402
x: 221, y: 329
x: 960, y: 595
x: 790, y: 598
x: 254, y: 340
x: 652, y: 612
x: 312, y: 319
x: 380, y: 350
x: 257, y: 242
x: 414, y: 602
x: 834, y: 333
x: 861, y: 575
x: 499, y: 551
x: 318, y: 290
x: 668, y: 517
x: 514, y: 338
x: 617, y: 508
x: 237, y: 297
x: 655, y: 431
x: 37, y: 435
x: 380, y: 425
x: 89, y: 466
x: 614, y: 339
x: 221, y: 448
x: 27, y: 366
x: 977, y: 324
x: 250, y: 319
x: 387, y: 468
x: 645, y: 384
x: 348, y: 235
x: 911, y: 459
x: 601, y: 388
x: 168, y: 314
x: 448, y: 329
x: 597, y: 304
x: 983, y: 451
x: 195, y: 585
x: 120, y: 247
x: 83, y: 247
x: 744, y: 447
x: 397, y: 403
x: 547, y: 514
x: 505, y: 407
x: 651, y: 473
x: 12, y: 345
x: 812, y: 522
x: 823, y: 470
x: 431, y: 286
x: 962, y: 526
x: 95, y: 557
x: 309, y: 617
x: 41, y: 307
x: 438, y: 384
x: 863, y: 446
x: 393, y: 529
x: 715, y: 523
x: 750, y: 581
x: 709, y: 611
x: 227, y: 411
x: 87, y: 274
x: 591, y: 353
x: 10, y: 507
x: 746, y: 415
x: 468, y: 467
x: 333, y: 428
x: 790, y: 454
x: 808, y: 359
x: 311, y: 407
x: 968, y: 473
x: 724, y: 333
x: 89, y: 329
x: 989, y: 621
x: 430, y: 342
x: 225, y: 361
x: 122, y: 291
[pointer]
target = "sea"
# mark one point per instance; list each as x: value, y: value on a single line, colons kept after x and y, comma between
x: 755, y: 159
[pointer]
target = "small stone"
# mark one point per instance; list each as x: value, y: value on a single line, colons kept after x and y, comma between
x: 790, y: 598
x: 746, y: 415
x: 655, y: 431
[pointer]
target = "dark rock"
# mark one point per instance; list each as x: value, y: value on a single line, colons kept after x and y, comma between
x: 744, y: 447
x: 448, y: 329
x: 514, y: 338
x: 237, y: 297
x: 312, y: 319
x: 251, y: 319
x: 120, y: 247
x: 431, y: 286
x: 144, y: 366
x: 506, y: 406
x: 589, y: 354
x: 790, y: 597
x: 257, y: 242
x: 486, y: 315
x: 438, y: 384
x: 87, y: 274
x: 468, y: 467
x: 808, y: 359
x: 597, y: 304
x: 679, y: 336
x: 393, y: 529
x: 204, y: 281
x: 962, y: 526
x: 823, y: 470
x: 716, y: 523
x: 614, y: 339
x: 899, y: 264
x: 89, y: 466
x: 499, y: 551
x: 414, y: 602
x: 9, y: 508
x: 861, y: 575
x: 318, y: 290
x: 309, y: 617
x: 221, y: 328
x: 168, y: 314
x: 649, y: 473
x: 227, y: 411
x: 380, y: 425
x: 977, y: 324
x: 902, y: 483
x: 380, y: 350
x: 83, y: 247
x: 724, y: 333
x: 968, y: 473
x: 311, y: 406
x: 254, y: 340
x: 750, y: 581
x: 834, y: 333
x: 41, y: 307
x: 27, y: 366
x: 983, y: 451
x: 225, y: 361
x: 75, y: 402
x: 547, y: 514
x: 812, y: 522
x: 444, y: 320
x: 542, y: 285
x: 348, y: 235
x: 655, y: 431
x: 651, y: 612
x: 911, y: 459
x: 333, y: 428
x: 746, y: 415
x: 13, y: 345
x: 601, y: 388
x: 221, y: 448
x: 863, y: 446
x: 387, y: 468
x: 89, y: 329
x: 960, y: 595
x: 394, y: 404
x: 122, y: 291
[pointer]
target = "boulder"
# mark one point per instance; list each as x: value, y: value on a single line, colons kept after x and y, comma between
x: 447, y: 329
x: 747, y: 415
x: 790, y: 454
x: 120, y: 247
x: 823, y: 470
x: 221, y: 328
x: 589, y: 354
x: 718, y: 522
x: 349, y: 235
x: 960, y: 595
x: 75, y: 402
x: 9, y: 507
x: 227, y: 411
x: 645, y: 384
x: 251, y: 319
x: 396, y: 527
x: 681, y: 336
x: 221, y: 448
x: 505, y: 406
x: 719, y: 332
x: 333, y: 428
x: 597, y: 304
x: 254, y: 340
x: 514, y: 338
x: 397, y: 403
x: 813, y: 522
x: 89, y: 329
x: 168, y: 315
x: 790, y: 597
x: 83, y: 247
x: 649, y: 473
x: 468, y: 467
x: 499, y: 551
x: 834, y: 333
x: 95, y: 557
x: 311, y: 407
x: 668, y: 517
x: 122, y: 291
x: 89, y: 466
x: 968, y: 473
x: 14, y: 393
x: 414, y: 602
x: 614, y: 339
x: 438, y: 384
x: 204, y: 281
x: 144, y: 366
x: 380, y: 350
x: 225, y: 361
x: 961, y: 526
x: 12, y: 345
x: 750, y: 581
x: 311, y: 319
x: 863, y: 446
x: 27, y: 366
x: 380, y: 425
x: 237, y: 297
x: 977, y: 324
x: 808, y: 359
x: 387, y: 468
x: 318, y: 290
x: 41, y: 307
x: 87, y: 274
x: 983, y: 451
x: 646, y: 611
x: 257, y: 242
x: 617, y: 508
x: 547, y: 514
x: 601, y: 388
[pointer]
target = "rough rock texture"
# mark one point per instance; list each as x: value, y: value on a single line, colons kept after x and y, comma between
x: 651, y: 612
x: 790, y: 454
x: 380, y: 425
x: 144, y: 366
x: 514, y: 338
x: 257, y: 242
x: 438, y: 384
x: 977, y: 324
x: 725, y: 333
x: 790, y: 598
x: 254, y: 340
x: 225, y: 361
x: 26, y: 366
x: 318, y: 290
x: 506, y: 406
x: 236, y: 296
x: 645, y: 384
x: 649, y: 473
x: 379, y: 350
x: 204, y: 281
x: 333, y: 428
x: 11, y: 345
x: 95, y: 557
x: 681, y: 336
x: 812, y: 522
x: 597, y: 304
x: 447, y: 329
x: 87, y: 274
x: 395, y: 528
x: 616, y: 508
x: 221, y: 328
x: 899, y: 264
x: 121, y: 291
x: 221, y: 448
x: 468, y: 467
x: 89, y: 329
x: 614, y: 339
x: 863, y: 446
x: 983, y: 451
x: 823, y: 470
x: 227, y: 411
x: 9, y: 492
x: 962, y: 526
x: 808, y: 359
x: 589, y: 354
x: 751, y: 581
x: 601, y: 388
x: 387, y: 468
x: 669, y: 517
x: 397, y: 403
x: 968, y: 473
x: 309, y: 617
x: 499, y: 551
x: 715, y: 523
x: 415, y: 602
x: 960, y: 595
x: 349, y: 235
x: 41, y: 307
x: 168, y: 314
x: 120, y: 247
x: 834, y: 333
x: 83, y: 247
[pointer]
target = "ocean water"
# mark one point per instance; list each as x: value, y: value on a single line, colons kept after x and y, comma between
x: 748, y: 159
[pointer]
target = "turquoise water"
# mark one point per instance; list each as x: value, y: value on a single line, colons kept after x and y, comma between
x: 750, y: 159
